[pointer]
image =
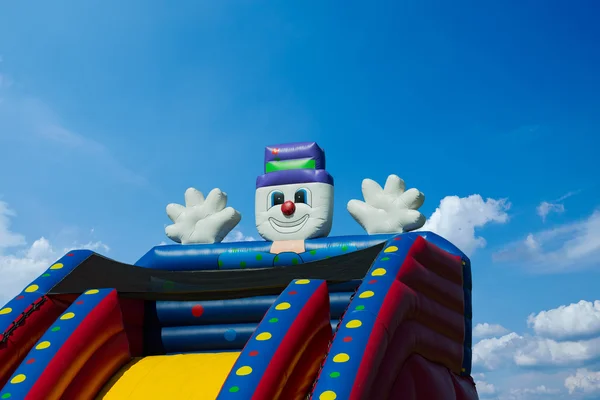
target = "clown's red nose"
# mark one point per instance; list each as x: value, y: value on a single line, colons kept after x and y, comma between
x: 288, y: 208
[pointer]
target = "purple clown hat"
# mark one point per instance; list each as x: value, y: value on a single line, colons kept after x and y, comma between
x: 294, y: 163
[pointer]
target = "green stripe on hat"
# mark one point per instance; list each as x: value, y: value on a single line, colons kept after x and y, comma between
x: 303, y: 163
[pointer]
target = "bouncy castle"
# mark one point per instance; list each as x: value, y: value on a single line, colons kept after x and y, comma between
x: 298, y: 315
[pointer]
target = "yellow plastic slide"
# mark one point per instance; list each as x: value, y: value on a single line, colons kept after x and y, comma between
x: 182, y: 376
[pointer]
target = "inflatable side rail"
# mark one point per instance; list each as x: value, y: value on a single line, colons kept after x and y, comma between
x: 414, y: 288
x: 240, y: 255
x: 25, y: 318
x: 467, y: 292
x: 80, y: 351
x: 282, y: 357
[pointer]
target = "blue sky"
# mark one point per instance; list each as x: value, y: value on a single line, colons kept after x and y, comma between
x: 110, y: 110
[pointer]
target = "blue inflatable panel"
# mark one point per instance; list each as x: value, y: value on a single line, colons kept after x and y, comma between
x: 190, y: 340
x: 468, y: 303
x: 468, y: 333
x: 358, y: 241
x: 244, y: 310
x: 285, y: 259
x: 195, y: 257
x: 467, y: 362
x: 338, y: 302
x: 241, y: 260
x: 211, y: 337
x: 202, y: 352
x: 349, y: 286
x: 327, y: 252
x: 183, y: 313
x: 467, y: 274
x: 238, y: 259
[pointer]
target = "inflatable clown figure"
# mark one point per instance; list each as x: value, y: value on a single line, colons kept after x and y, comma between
x: 294, y: 203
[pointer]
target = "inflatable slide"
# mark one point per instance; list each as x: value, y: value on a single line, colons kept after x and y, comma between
x: 359, y: 317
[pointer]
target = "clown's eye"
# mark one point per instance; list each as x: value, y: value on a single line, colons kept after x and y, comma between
x: 276, y: 198
x: 302, y: 196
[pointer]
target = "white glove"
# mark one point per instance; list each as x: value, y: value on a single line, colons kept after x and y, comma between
x: 201, y: 221
x: 388, y: 210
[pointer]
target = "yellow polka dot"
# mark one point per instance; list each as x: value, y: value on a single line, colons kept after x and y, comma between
x: 355, y: 323
x: 283, y: 306
x: 302, y: 281
x: 92, y: 291
x: 379, y: 272
x: 243, y: 371
x: 57, y: 266
x: 6, y: 310
x: 263, y: 336
x: 391, y: 249
x: 43, y: 345
x: 18, y: 379
x: 31, y: 288
x: 328, y: 395
x: 366, y: 294
x: 68, y: 315
x: 341, y: 358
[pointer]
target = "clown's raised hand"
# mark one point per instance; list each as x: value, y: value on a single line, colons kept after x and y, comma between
x: 201, y: 220
x: 388, y: 210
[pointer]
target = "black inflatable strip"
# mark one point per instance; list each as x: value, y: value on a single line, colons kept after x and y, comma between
x: 148, y: 284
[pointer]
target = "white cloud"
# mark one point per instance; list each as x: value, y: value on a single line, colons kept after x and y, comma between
x: 237, y: 236
x: 494, y: 352
x: 20, y: 264
x: 543, y: 352
x: 554, y: 206
x: 486, y: 330
x: 567, y: 247
x: 538, y: 392
x: 549, y: 346
x: 584, y: 381
x: 546, y: 208
x: 567, y: 195
x: 485, y: 389
x: 571, y: 321
x: 533, y: 351
x: 458, y: 218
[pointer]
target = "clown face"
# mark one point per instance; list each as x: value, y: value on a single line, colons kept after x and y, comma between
x: 295, y: 211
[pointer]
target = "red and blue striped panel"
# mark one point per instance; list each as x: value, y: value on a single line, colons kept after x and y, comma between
x: 398, y: 286
x: 26, y: 317
x: 353, y: 335
x: 62, y: 364
x: 282, y: 357
x: 40, y: 286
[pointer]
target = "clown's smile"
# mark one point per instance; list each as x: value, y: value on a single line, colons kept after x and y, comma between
x: 288, y: 227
